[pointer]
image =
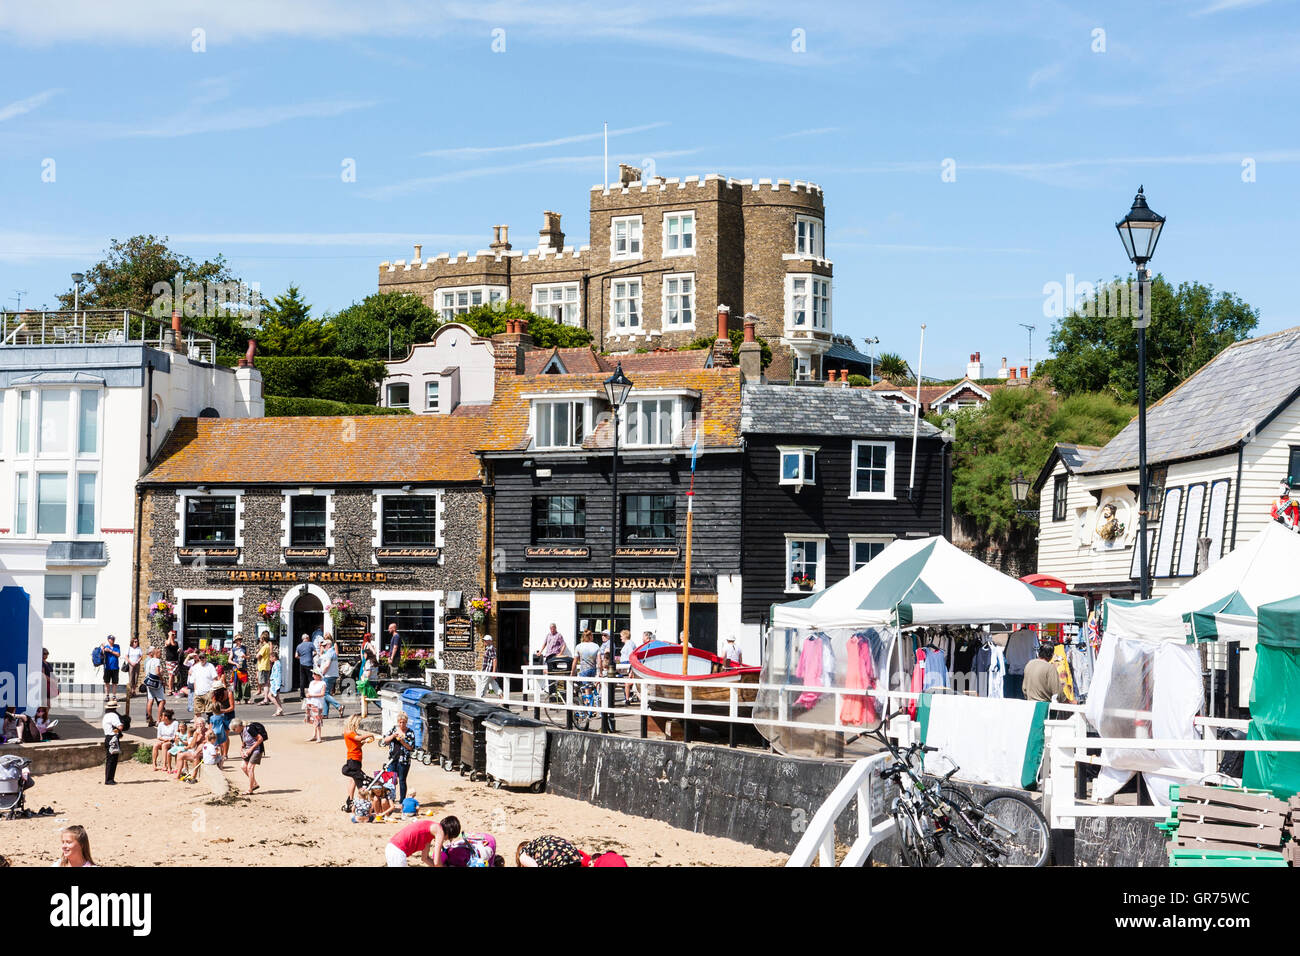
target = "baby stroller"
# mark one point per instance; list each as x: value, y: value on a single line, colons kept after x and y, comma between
x: 15, y: 781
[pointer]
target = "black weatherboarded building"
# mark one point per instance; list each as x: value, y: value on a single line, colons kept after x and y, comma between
x: 828, y: 483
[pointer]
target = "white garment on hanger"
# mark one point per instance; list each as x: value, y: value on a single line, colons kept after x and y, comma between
x: 997, y: 671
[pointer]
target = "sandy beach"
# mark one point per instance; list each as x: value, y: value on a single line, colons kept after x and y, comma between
x: 294, y: 819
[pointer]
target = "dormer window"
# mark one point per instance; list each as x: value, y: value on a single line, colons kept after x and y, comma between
x: 650, y: 421
x: 559, y: 424
x: 798, y: 466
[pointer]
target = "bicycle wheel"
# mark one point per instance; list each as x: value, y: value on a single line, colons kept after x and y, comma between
x: 582, y: 718
x: 1016, y: 825
x: 959, y: 850
x: 555, y: 714
x: 909, y: 847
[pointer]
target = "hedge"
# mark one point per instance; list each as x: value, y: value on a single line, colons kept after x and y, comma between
x: 327, y: 377
x: 279, y: 406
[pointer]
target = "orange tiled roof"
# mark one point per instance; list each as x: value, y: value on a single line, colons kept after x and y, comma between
x: 719, y: 418
x: 321, y: 450
x: 575, y: 360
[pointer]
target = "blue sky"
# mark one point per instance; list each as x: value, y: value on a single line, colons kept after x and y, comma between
x: 1051, y: 125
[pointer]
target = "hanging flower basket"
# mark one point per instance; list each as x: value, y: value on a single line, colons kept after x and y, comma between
x: 162, y: 615
x: 479, y: 609
x: 339, y: 610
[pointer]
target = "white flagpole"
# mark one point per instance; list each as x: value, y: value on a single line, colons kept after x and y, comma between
x: 605, y: 181
x: 916, y: 421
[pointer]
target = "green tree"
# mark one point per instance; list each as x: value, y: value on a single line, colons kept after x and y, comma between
x: 1013, y: 433
x: 363, y: 328
x: 737, y: 337
x: 131, y: 271
x: 1189, y: 325
x: 288, y: 308
x: 309, y: 337
x: 489, y: 320
x: 891, y: 365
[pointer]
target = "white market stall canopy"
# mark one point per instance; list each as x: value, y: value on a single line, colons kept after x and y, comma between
x: 928, y: 581
x: 1221, y: 602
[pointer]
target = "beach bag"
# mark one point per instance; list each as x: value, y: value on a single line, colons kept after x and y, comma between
x: 256, y: 728
x: 97, y: 657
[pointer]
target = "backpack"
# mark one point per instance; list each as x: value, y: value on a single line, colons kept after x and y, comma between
x: 258, y: 730
x: 97, y: 657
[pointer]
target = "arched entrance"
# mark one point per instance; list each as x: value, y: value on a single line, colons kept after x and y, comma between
x: 302, y: 611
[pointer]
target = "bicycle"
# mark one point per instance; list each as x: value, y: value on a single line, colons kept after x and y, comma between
x: 586, y: 697
x: 941, y: 824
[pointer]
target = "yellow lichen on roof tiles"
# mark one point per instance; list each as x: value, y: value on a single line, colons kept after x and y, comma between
x: 321, y: 450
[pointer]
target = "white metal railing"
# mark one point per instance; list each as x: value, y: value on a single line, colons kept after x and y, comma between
x: 818, y: 841
x: 100, y: 327
x: 1067, y: 747
x: 536, y: 694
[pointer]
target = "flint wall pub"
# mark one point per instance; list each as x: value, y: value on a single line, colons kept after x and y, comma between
x: 256, y: 525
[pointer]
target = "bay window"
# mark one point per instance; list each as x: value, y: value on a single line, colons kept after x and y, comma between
x: 56, y: 409
x: 807, y: 302
x: 559, y: 424
x: 798, y: 465
x: 808, y: 237
x: 52, y: 503
x: 85, y: 504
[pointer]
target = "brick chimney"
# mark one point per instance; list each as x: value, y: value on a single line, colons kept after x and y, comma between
x: 500, y: 239
x: 1003, y: 372
x: 550, y: 236
x: 722, y: 354
x: 751, y: 353
x: 628, y: 174
x: 177, y: 333
x: 510, y: 347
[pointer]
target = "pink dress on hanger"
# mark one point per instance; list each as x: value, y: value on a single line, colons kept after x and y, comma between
x: 809, y: 671
x: 859, y: 709
x: 918, y: 681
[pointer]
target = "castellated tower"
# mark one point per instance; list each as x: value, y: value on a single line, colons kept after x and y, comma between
x: 663, y: 255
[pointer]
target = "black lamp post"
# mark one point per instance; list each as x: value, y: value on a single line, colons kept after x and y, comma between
x: 1020, y: 493
x: 617, y: 387
x: 1140, y: 231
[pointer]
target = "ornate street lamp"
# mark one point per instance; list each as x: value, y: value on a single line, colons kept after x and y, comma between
x: 1140, y: 231
x: 1020, y: 494
x: 617, y: 388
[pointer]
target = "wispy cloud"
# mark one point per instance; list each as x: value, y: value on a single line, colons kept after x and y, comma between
x: 810, y: 132
x: 1223, y: 5
x: 259, y: 117
x: 19, y: 107
x: 472, y: 151
x: 319, y: 238
x: 421, y: 183
x: 1046, y: 73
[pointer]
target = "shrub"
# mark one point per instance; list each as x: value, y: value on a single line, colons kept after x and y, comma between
x: 859, y: 381
x: 278, y: 406
x: 329, y: 377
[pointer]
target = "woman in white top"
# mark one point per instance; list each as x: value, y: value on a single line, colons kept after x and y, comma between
x: 134, y: 654
x: 167, y: 728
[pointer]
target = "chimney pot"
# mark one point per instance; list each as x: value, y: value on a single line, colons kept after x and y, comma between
x: 1024, y: 372
x: 1013, y: 374
x: 418, y: 249
x: 724, y: 317
x: 750, y: 326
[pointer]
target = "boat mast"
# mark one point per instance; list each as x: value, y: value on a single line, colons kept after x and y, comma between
x: 690, y: 514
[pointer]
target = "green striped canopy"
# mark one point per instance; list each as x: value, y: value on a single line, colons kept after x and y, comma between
x: 928, y: 581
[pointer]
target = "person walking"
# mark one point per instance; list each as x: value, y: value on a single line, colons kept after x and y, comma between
x: 239, y: 683
x: 251, y: 749
x: 112, y: 657
x: 113, y: 726
x: 203, y: 677
x: 328, y: 665
x: 366, y: 677
x: 306, y: 655
x: 221, y: 711
x: 584, y: 656
x: 264, y: 669
x: 153, y: 684
x: 400, y: 743
x: 134, y: 655
x: 172, y: 661
x: 275, y: 683
x: 312, y: 697
x: 489, y: 664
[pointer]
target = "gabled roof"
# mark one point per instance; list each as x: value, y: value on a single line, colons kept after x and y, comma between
x: 1074, y: 457
x: 719, y: 408
x: 984, y: 391
x: 829, y: 410
x: 585, y: 361
x: 558, y: 361
x: 1237, y: 392
x: 370, y: 449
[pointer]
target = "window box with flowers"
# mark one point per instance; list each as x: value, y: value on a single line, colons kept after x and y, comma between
x: 416, y: 659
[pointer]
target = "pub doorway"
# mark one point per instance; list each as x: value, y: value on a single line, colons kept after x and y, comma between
x: 512, y: 640
x: 308, y: 617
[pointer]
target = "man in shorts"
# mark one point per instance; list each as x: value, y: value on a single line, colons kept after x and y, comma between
x: 112, y: 656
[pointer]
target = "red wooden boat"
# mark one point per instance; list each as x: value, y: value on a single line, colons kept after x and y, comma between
x: 708, y: 675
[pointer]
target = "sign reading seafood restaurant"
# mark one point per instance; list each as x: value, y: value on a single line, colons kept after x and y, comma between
x: 584, y: 582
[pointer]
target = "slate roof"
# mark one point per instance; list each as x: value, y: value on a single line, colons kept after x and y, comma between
x: 719, y: 410
x: 827, y: 410
x: 1240, y: 389
x: 1074, y: 457
x: 311, y: 450
x: 847, y: 353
